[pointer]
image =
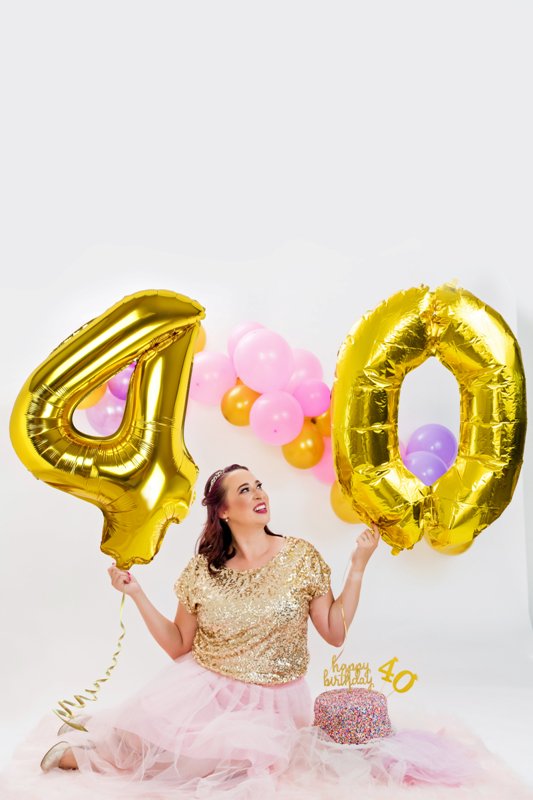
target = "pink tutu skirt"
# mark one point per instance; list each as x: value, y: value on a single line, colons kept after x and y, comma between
x: 192, y: 733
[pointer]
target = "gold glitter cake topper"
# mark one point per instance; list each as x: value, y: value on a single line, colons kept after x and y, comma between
x: 348, y: 675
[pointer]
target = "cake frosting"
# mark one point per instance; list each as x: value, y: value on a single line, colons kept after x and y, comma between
x: 352, y: 716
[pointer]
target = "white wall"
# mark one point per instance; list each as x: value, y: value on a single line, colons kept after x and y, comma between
x: 294, y: 163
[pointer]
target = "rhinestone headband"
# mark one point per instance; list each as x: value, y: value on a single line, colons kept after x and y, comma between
x: 214, y: 479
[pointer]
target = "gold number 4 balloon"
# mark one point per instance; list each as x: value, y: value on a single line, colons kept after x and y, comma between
x: 474, y: 342
x: 142, y: 476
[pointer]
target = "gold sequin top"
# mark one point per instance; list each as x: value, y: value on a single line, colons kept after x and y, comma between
x: 252, y: 624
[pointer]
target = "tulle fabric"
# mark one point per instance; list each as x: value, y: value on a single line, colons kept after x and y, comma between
x: 192, y: 733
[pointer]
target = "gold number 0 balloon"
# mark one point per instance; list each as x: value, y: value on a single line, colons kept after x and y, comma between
x: 474, y: 342
x: 142, y: 476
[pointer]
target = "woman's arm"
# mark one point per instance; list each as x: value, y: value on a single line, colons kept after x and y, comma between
x: 175, y: 637
x: 326, y: 612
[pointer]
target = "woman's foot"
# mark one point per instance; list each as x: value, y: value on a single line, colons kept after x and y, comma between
x: 60, y: 755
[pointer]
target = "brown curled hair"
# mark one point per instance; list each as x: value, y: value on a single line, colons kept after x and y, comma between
x: 215, y: 541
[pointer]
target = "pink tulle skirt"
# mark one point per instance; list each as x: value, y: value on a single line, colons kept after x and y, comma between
x: 192, y: 733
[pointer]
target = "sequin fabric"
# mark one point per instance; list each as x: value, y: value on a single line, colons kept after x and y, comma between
x: 252, y: 624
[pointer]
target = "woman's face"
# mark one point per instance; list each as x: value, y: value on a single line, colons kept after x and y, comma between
x: 246, y: 502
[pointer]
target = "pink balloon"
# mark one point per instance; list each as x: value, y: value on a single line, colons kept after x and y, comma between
x: 276, y: 417
x: 306, y: 367
x: 403, y: 450
x: 212, y: 376
x: 325, y: 469
x: 238, y: 332
x: 119, y: 384
x: 314, y: 397
x: 263, y: 360
x: 105, y: 417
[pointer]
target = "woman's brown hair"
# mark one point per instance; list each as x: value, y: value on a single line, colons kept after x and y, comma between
x: 215, y: 541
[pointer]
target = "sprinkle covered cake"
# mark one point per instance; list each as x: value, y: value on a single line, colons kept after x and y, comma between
x: 352, y: 716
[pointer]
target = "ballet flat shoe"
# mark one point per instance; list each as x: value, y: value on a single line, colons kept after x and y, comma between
x: 66, y: 728
x: 52, y: 758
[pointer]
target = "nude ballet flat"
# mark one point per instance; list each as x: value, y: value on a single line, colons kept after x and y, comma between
x: 52, y: 758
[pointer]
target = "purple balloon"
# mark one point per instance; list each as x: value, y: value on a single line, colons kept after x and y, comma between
x: 314, y: 397
x: 212, y: 376
x: 325, y: 469
x: 238, y: 332
x: 105, y: 417
x: 306, y: 367
x: 263, y: 360
x: 119, y: 384
x: 436, y: 439
x: 276, y: 417
x: 426, y: 466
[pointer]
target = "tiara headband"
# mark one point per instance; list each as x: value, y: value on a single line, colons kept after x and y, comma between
x: 214, y: 479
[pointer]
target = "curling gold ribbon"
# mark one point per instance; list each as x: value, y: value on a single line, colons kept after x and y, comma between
x: 64, y: 713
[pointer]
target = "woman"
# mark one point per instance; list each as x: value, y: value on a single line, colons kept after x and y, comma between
x: 240, y: 635
x: 231, y: 716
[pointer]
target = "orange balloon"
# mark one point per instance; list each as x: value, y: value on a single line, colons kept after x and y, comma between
x: 93, y: 397
x: 323, y: 423
x: 237, y: 404
x: 307, y: 449
x: 200, y: 340
x: 342, y: 505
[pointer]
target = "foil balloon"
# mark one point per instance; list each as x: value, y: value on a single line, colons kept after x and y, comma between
x: 142, y: 475
x: 474, y: 342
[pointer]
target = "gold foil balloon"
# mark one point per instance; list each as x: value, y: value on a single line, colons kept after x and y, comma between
x: 142, y: 476
x: 237, y: 403
x: 307, y: 449
x: 342, y: 505
x: 474, y: 342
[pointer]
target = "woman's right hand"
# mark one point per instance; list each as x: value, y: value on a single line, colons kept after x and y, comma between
x: 123, y: 581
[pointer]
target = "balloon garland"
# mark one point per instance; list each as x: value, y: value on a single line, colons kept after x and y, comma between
x: 279, y: 393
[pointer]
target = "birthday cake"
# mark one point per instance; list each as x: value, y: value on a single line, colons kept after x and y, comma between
x: 352, y: 716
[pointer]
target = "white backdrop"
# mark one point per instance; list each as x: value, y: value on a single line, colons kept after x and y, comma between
x: 294, y: 165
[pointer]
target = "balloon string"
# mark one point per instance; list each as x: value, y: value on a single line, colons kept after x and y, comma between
x: 64, y: 713
x: 343, y: 617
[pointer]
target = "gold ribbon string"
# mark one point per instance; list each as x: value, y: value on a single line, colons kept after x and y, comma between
x: 64, y: 713
x: 345, y: 626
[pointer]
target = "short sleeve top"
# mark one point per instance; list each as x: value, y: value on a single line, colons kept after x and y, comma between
x: 252, y: 624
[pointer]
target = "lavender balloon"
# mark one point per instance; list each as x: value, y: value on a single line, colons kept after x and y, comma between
x: 436, y: 439
x: 426, y: 466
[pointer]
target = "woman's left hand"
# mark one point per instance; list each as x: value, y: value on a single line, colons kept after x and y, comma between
x: 367, y: 542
